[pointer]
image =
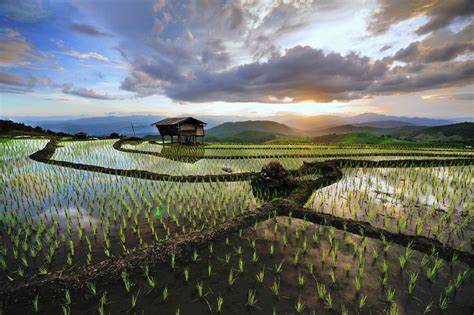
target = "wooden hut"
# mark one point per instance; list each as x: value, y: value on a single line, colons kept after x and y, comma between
x: 187, y: 129
x: 81, y: 135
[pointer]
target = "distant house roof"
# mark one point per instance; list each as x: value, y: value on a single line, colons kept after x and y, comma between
x: 80, y: 134
x: 177, y: 120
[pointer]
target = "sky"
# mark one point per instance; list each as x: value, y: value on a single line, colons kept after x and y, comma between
x: 245, y: 58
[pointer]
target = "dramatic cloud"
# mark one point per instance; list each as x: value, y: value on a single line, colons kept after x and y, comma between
x: 30, y: 81
x: 88, y: 55
x: 183, y: 48
x: 439, y: 13
x: 416, y: 52
x: 13, y: 83
x: 15, y: 50
x: 446, y: 36
x: 83, y: 92
x: 88, y: 30
x: 303, y: 73
x: 249, y: 50
x: 420, y: 78
x: 242, y: 61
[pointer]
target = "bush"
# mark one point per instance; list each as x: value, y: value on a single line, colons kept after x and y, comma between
x: 272, y: 181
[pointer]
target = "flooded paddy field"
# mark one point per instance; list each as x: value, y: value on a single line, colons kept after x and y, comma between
x: 57, y: 222
x: 102, y: 153
x: 434, y: 202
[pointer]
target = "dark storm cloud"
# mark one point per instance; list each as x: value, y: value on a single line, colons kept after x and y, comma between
x: 88, y: 30
x: 439, y: 13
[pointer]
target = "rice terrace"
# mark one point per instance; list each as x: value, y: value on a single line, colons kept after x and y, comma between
x: 120, y: 225
x: 236, y: 157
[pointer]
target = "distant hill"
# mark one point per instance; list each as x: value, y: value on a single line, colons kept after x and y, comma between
x: 384, y: 124
x: 105, y: 125
x: 312, y: 125
x: 417, y: 121
x: 391, y: 127
x: 12, y: 129
x: 462, y: 134
x: 320, y: 122
x: 250, y: 131
x: 315, y: 123
x: 343, y: 129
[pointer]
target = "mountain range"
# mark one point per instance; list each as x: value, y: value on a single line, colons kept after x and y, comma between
x: 308, y: 125
x: 364, y: 128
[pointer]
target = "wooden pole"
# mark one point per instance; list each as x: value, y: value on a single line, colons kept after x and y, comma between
x: 133, y: 130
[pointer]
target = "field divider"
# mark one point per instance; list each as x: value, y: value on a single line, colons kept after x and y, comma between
x: 192, y: 158
x: 45, y: 156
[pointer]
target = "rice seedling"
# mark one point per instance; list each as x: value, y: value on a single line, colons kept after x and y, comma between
x: 279, y: 267
x: 135, y: 299
x: 102, y: 303
x: 361, y: 302
x: 261, y: 275
x: 390, y: 295
x: 328, y: 300
x: 241, y: 265
x: 275, y: 287
x: 301, y: 279
x: 219, y: 303
x: 186, y: 274
x: 413, y: 276
x: 126, y: 281
x: 92, y: 288
x: 36, y: 303
x: 199, y: 289
x: 251, y: 299
x: 321, y: 290
x: 443, y: 302
x: 66, y: 309
x: 231, y: 278
x: 67, y: 297
x: 299, y: 306
x: 432, y: 271
x: 165, y: 294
